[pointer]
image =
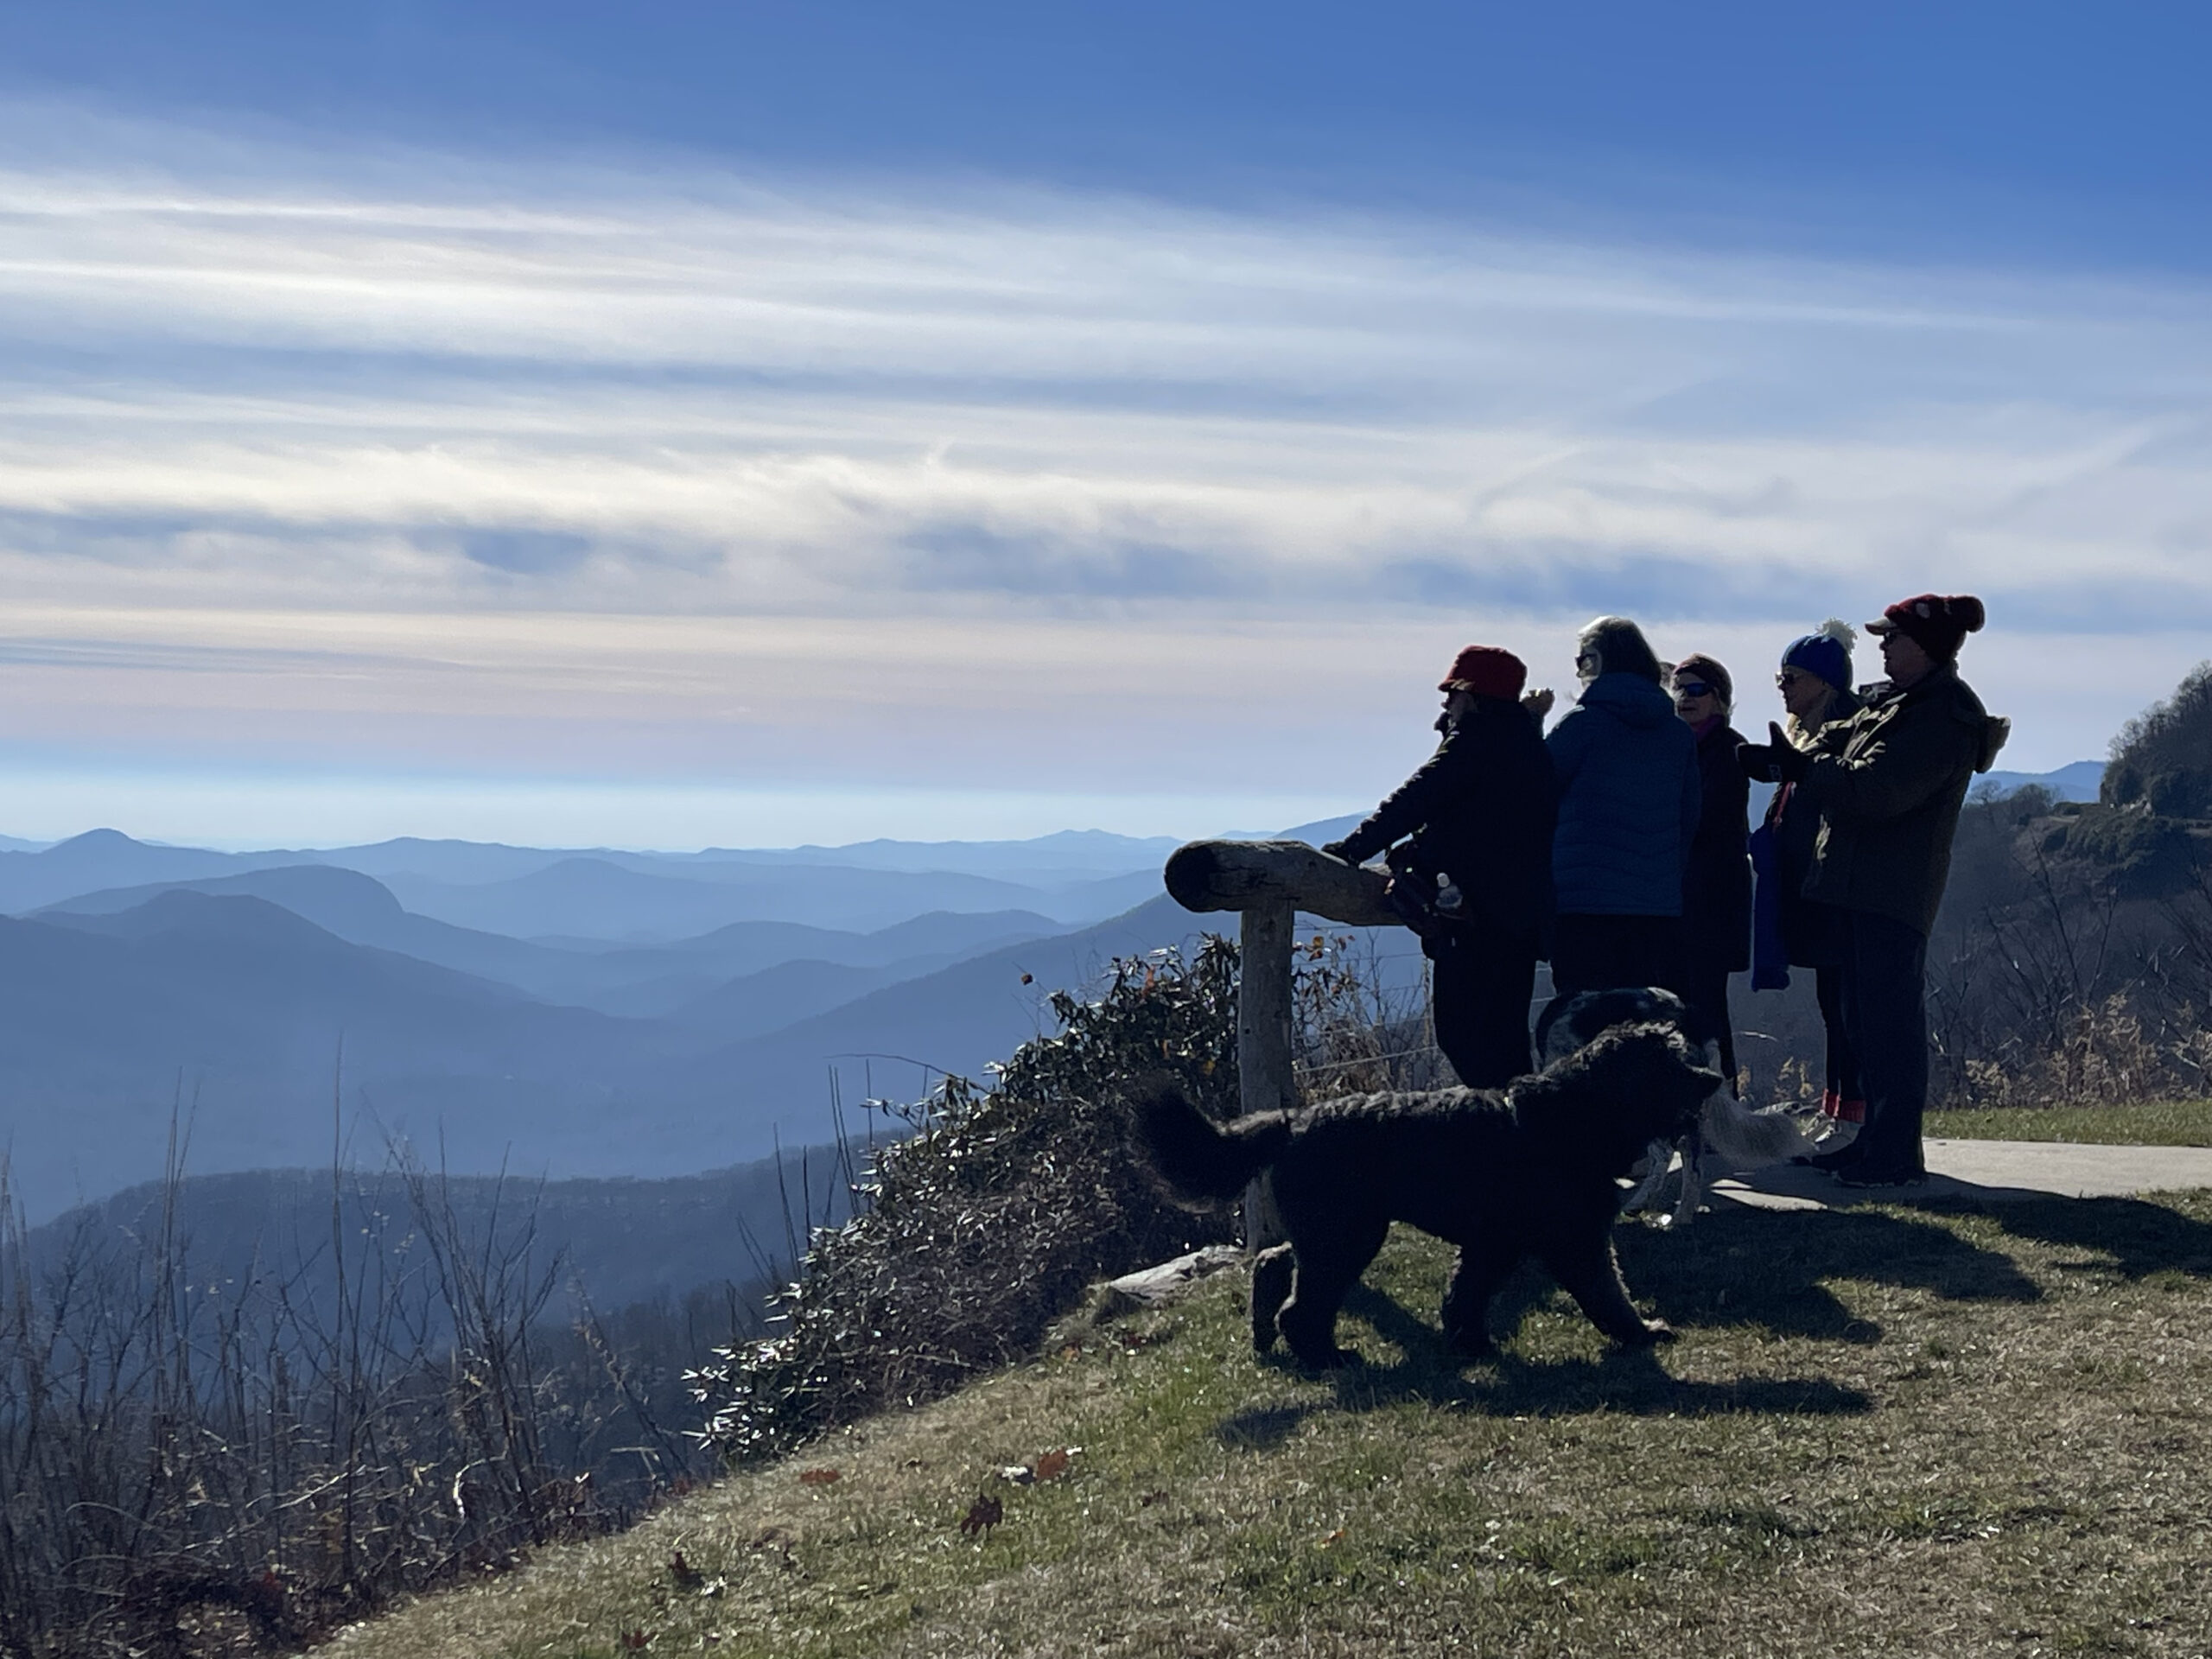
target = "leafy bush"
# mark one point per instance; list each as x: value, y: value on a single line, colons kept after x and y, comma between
x: 2148, y: 856
x: 990, y: 1219
x: 2163, y: 758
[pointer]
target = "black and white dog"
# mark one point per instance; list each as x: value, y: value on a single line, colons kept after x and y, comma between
x: 1730, y: 1136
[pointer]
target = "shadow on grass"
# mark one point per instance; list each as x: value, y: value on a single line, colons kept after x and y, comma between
x: 2140, y: 1237
x: 1629, y: 1381
x: 1745, y: 1269
x: 1770, y: 1269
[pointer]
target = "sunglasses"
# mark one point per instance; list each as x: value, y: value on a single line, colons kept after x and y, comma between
x: 1692, y: 689
x: 1789, y: 677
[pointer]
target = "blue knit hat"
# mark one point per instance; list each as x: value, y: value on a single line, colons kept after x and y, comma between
x: 1825, y: 653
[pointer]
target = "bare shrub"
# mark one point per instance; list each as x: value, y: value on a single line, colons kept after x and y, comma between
x: 2057, y: 977
x: 202, y: 1460
x: 1349, y: 1034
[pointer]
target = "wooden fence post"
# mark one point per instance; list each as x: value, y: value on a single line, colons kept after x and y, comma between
x: 1267, y: 883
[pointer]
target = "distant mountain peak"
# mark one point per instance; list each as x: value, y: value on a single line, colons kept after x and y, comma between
x: 96, y: 841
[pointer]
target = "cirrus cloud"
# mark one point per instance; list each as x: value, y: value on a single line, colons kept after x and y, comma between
x: 992, y: 418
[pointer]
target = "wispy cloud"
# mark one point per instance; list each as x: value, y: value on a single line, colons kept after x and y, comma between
x: 987, y: 418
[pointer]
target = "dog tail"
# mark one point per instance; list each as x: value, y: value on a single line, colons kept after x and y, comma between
x: 1199, y: 1159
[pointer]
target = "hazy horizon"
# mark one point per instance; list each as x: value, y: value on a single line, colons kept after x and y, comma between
x: 251, y: 843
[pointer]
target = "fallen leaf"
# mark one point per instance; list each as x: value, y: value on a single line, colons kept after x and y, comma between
x: 687, y: 1576
x: 819, y: 1477
x: 1332, y: 1539
x: 1071, y: 1350
x: 983, y: 1514
x: 1054, y: 1463
x: 634, y: 1641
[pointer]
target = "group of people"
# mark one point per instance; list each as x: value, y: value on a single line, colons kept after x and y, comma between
x: 1617, y: 846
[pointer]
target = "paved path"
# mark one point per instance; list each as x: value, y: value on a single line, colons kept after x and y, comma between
x: 1988, y: 1170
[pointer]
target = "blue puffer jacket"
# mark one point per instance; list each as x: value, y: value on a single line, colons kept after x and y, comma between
x: 1629, y: 798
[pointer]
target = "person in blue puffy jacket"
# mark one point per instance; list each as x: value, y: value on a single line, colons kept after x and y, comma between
x: 1628, y: 804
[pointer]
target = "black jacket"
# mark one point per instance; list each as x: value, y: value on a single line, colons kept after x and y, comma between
x: 1717, y: 881
x: 1481, y: 809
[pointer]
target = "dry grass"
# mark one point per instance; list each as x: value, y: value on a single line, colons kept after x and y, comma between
x: 1884, y: 1431
x: 2149, y: 1123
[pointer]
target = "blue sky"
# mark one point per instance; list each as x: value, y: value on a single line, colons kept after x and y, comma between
x: 686, y: 423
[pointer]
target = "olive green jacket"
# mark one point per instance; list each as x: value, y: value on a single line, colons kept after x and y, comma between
x: 1889, y: 783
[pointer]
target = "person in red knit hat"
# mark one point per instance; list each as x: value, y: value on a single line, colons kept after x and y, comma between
x: 1889, y: 784
x: 1479, y: 815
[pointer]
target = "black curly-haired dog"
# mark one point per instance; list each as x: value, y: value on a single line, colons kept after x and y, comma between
x: 1529, y: 1170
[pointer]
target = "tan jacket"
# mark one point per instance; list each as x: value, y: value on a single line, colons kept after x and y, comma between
x: 1889, y: 783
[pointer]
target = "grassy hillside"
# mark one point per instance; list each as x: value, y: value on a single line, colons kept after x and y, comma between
x: 1885, y: 1431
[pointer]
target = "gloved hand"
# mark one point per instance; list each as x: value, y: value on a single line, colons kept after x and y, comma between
x: 1790, y: 762
x: 1336, y: 849
x: 1756, y: 762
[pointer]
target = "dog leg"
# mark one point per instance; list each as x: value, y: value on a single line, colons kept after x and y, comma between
x: 1271, y: 1276
x: 1692, y: 1193
x: 1477, y: 1277
x: 1659, y: 1157
x: 1327, y: 1269
x: 1592, y: 1274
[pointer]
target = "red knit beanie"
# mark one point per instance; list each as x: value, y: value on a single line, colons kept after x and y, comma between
x: 1935, y: 622
x: 1488, y: 672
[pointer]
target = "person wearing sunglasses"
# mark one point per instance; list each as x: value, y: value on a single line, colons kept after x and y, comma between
x: 1717, y: 884
x: 1628, y: 808
x: 1889, y: 784
x: 1790, y: 930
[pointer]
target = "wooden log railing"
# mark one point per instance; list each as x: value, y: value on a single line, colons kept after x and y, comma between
x: 1267, y: 883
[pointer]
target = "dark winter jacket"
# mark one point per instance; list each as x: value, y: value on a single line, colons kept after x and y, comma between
x: 1479, y: 811
x: 1889, y: 784
x: 1717, y: 886
x: 1628, y: 800
x: 1790, y: 930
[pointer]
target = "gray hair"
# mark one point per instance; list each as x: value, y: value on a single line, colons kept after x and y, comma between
x: 1620, y: 648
